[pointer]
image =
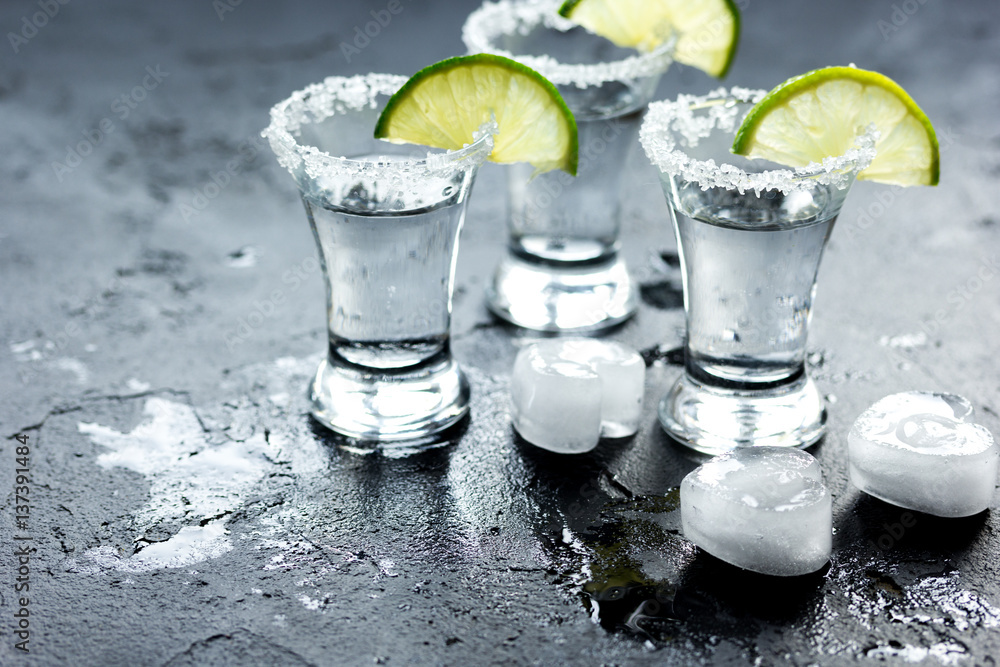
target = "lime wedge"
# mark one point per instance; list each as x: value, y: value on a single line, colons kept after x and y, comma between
x: 707, y: 30
x: 819, y: 114
x: 443, y: 105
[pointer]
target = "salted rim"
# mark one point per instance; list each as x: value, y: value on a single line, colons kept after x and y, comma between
x: 504, y: 17
x: 338, y: 95
x: 677, y: 116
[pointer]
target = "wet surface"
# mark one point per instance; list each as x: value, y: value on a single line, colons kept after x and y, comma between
x: 163, y: 312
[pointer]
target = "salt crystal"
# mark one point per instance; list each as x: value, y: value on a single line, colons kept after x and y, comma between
x: 669, y: 126
x: 486, y: 27
x: 338, y: 95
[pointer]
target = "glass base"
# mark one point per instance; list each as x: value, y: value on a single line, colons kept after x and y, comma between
x: 714, y: 420
x: 577, y: 298
x: 387, y: 407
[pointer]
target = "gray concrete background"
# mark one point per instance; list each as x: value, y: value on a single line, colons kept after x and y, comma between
x: 124, y: 279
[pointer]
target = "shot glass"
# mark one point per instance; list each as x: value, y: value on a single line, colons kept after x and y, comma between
x: 386, y: 220
x: 561, y: 271
x: 751, y: 236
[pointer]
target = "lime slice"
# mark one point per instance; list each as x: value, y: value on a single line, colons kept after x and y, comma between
x: 443, y: 105
x: 819, y: 114
x: 707, y: 30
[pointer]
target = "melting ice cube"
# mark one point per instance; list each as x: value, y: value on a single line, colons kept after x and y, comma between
x: 924, y: 451
x: 763, y: 509
x: 567, y: 393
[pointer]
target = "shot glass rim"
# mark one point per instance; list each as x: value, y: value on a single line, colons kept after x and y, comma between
x: 663, y: 151
x: 283, y: 128
x: 493, y: 19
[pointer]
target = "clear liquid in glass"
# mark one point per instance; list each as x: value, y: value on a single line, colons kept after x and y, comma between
x: 749, y: 265
x: 558, y: 218
x: 389, y: 283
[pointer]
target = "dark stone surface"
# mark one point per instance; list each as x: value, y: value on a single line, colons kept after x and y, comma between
x: 124, y: 291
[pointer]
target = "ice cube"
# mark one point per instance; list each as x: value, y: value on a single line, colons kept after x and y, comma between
x: 924, y: 451
x: 556, y: 402
x: 567, y: 393
x: 623, y: 381
x: 764, y: 509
